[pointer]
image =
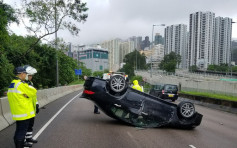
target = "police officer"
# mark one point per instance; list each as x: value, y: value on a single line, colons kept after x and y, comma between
x: 20, y: 96
x: 137, y: 86
x: 30, y: 72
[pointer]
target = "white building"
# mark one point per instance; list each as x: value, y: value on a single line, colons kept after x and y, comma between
x: 156, y: 55
x: 176, y: 41
x: 113, y: 47
x: 125, y: 48
x: 201, y: 39
x: 223, y: 31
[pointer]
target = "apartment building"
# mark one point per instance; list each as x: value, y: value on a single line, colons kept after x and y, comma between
x: 201, y: 39
x: 176, y: 41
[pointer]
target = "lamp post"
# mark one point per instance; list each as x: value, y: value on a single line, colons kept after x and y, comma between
x: 151, y: 45
x: 231, y: 54
x: 56, y: 44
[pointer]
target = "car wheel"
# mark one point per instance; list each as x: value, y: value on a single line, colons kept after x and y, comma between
x: 186, y: 109
x: 117, y: 83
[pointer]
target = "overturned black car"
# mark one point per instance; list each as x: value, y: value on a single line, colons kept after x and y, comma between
x: 119, y: 101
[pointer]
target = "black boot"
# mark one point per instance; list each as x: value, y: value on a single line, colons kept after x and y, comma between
x: 31, y: 140
x: 19, y: 144
x: 26, y: 144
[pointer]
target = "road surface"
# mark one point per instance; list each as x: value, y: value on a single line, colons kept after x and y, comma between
x: 74, y: 125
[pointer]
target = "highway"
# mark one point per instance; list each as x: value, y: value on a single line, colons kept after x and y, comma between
x: 69, y: 122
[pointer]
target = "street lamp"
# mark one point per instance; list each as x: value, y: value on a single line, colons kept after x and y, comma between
x: 56, y: 44
x: 151, y: 46
x: 231, y: 54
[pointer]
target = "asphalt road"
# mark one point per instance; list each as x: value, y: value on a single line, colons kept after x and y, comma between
x: 76, y: 126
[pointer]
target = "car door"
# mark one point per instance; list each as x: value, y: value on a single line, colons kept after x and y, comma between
x: 157, y: 112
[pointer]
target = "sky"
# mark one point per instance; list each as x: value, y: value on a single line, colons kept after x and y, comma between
x: 110, y: 19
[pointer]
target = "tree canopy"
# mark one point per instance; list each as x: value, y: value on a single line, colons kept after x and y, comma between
x: 45, y: 17
x: 132, y: 61
x: 170, y: 62
x: 13, y: 48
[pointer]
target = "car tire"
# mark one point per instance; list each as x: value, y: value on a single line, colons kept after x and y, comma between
x: 117, y: 83
x: 186, y: 109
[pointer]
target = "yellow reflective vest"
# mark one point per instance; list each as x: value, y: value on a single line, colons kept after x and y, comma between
x: 136, y: 86
x: 20, y: 96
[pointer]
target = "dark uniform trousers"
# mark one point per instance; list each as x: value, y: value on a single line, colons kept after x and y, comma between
x: 95, y: 109
x: 30, y: 128
x: 21, y: 129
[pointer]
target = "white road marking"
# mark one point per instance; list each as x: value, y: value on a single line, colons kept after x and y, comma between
x: 47, y: 124
x: 134, y: 140
x: 192, y: 146
x: 130, y: 135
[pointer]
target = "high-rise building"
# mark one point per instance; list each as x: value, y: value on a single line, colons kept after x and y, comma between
x: 155, y: 55
x: 114, y: 50
x: 139, y: 43
x: 159, y: 39
x: 176, y: 41
x: 145, y: 43
x: 136, y: 41
x: 126, y: 47
x: 223, y: 31
x: 201, y: 39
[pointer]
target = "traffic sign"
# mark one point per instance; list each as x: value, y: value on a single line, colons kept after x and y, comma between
x: 78, y: 72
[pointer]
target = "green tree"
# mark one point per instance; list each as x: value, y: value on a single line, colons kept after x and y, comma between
x: 193, y: 68
x: 219, y: 68
x: 43, y: 13
x: 133, y: 60
x: 170, y: 62
x: 67, y: 65
x: 85, y: 71
x: 6, y: 68
x: 98, y: 73
x: 138, y: 78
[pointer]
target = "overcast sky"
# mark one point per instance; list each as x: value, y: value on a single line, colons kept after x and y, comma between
x: 109, y: 19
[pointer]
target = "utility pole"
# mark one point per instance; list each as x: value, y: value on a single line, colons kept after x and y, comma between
x: 151, y: 45
x: 231, y: 53
x: 136, y: 58
x: 56, y: 45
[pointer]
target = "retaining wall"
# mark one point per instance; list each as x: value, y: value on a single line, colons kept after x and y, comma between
x: 44, y: 96
x: 192, y: 84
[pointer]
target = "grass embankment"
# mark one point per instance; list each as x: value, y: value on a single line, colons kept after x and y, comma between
x: 77, y: 82
x: 211, y: 95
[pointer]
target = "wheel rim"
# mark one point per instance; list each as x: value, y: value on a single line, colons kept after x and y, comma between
x: 187, y: 110
x: 117, y: 84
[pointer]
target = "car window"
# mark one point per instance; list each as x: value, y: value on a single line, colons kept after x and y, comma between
x: 171, y: 87
x: 158, y: 87
x: 137, y: 120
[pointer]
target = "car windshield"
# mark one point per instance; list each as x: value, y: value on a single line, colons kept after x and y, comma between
x: 170, y: 87
x: 158, y: 87
x: 137, y: 120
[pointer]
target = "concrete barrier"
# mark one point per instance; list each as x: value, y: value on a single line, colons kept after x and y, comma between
x: 6, y: 110
x: 44, y: 97
x: 3, y: 121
